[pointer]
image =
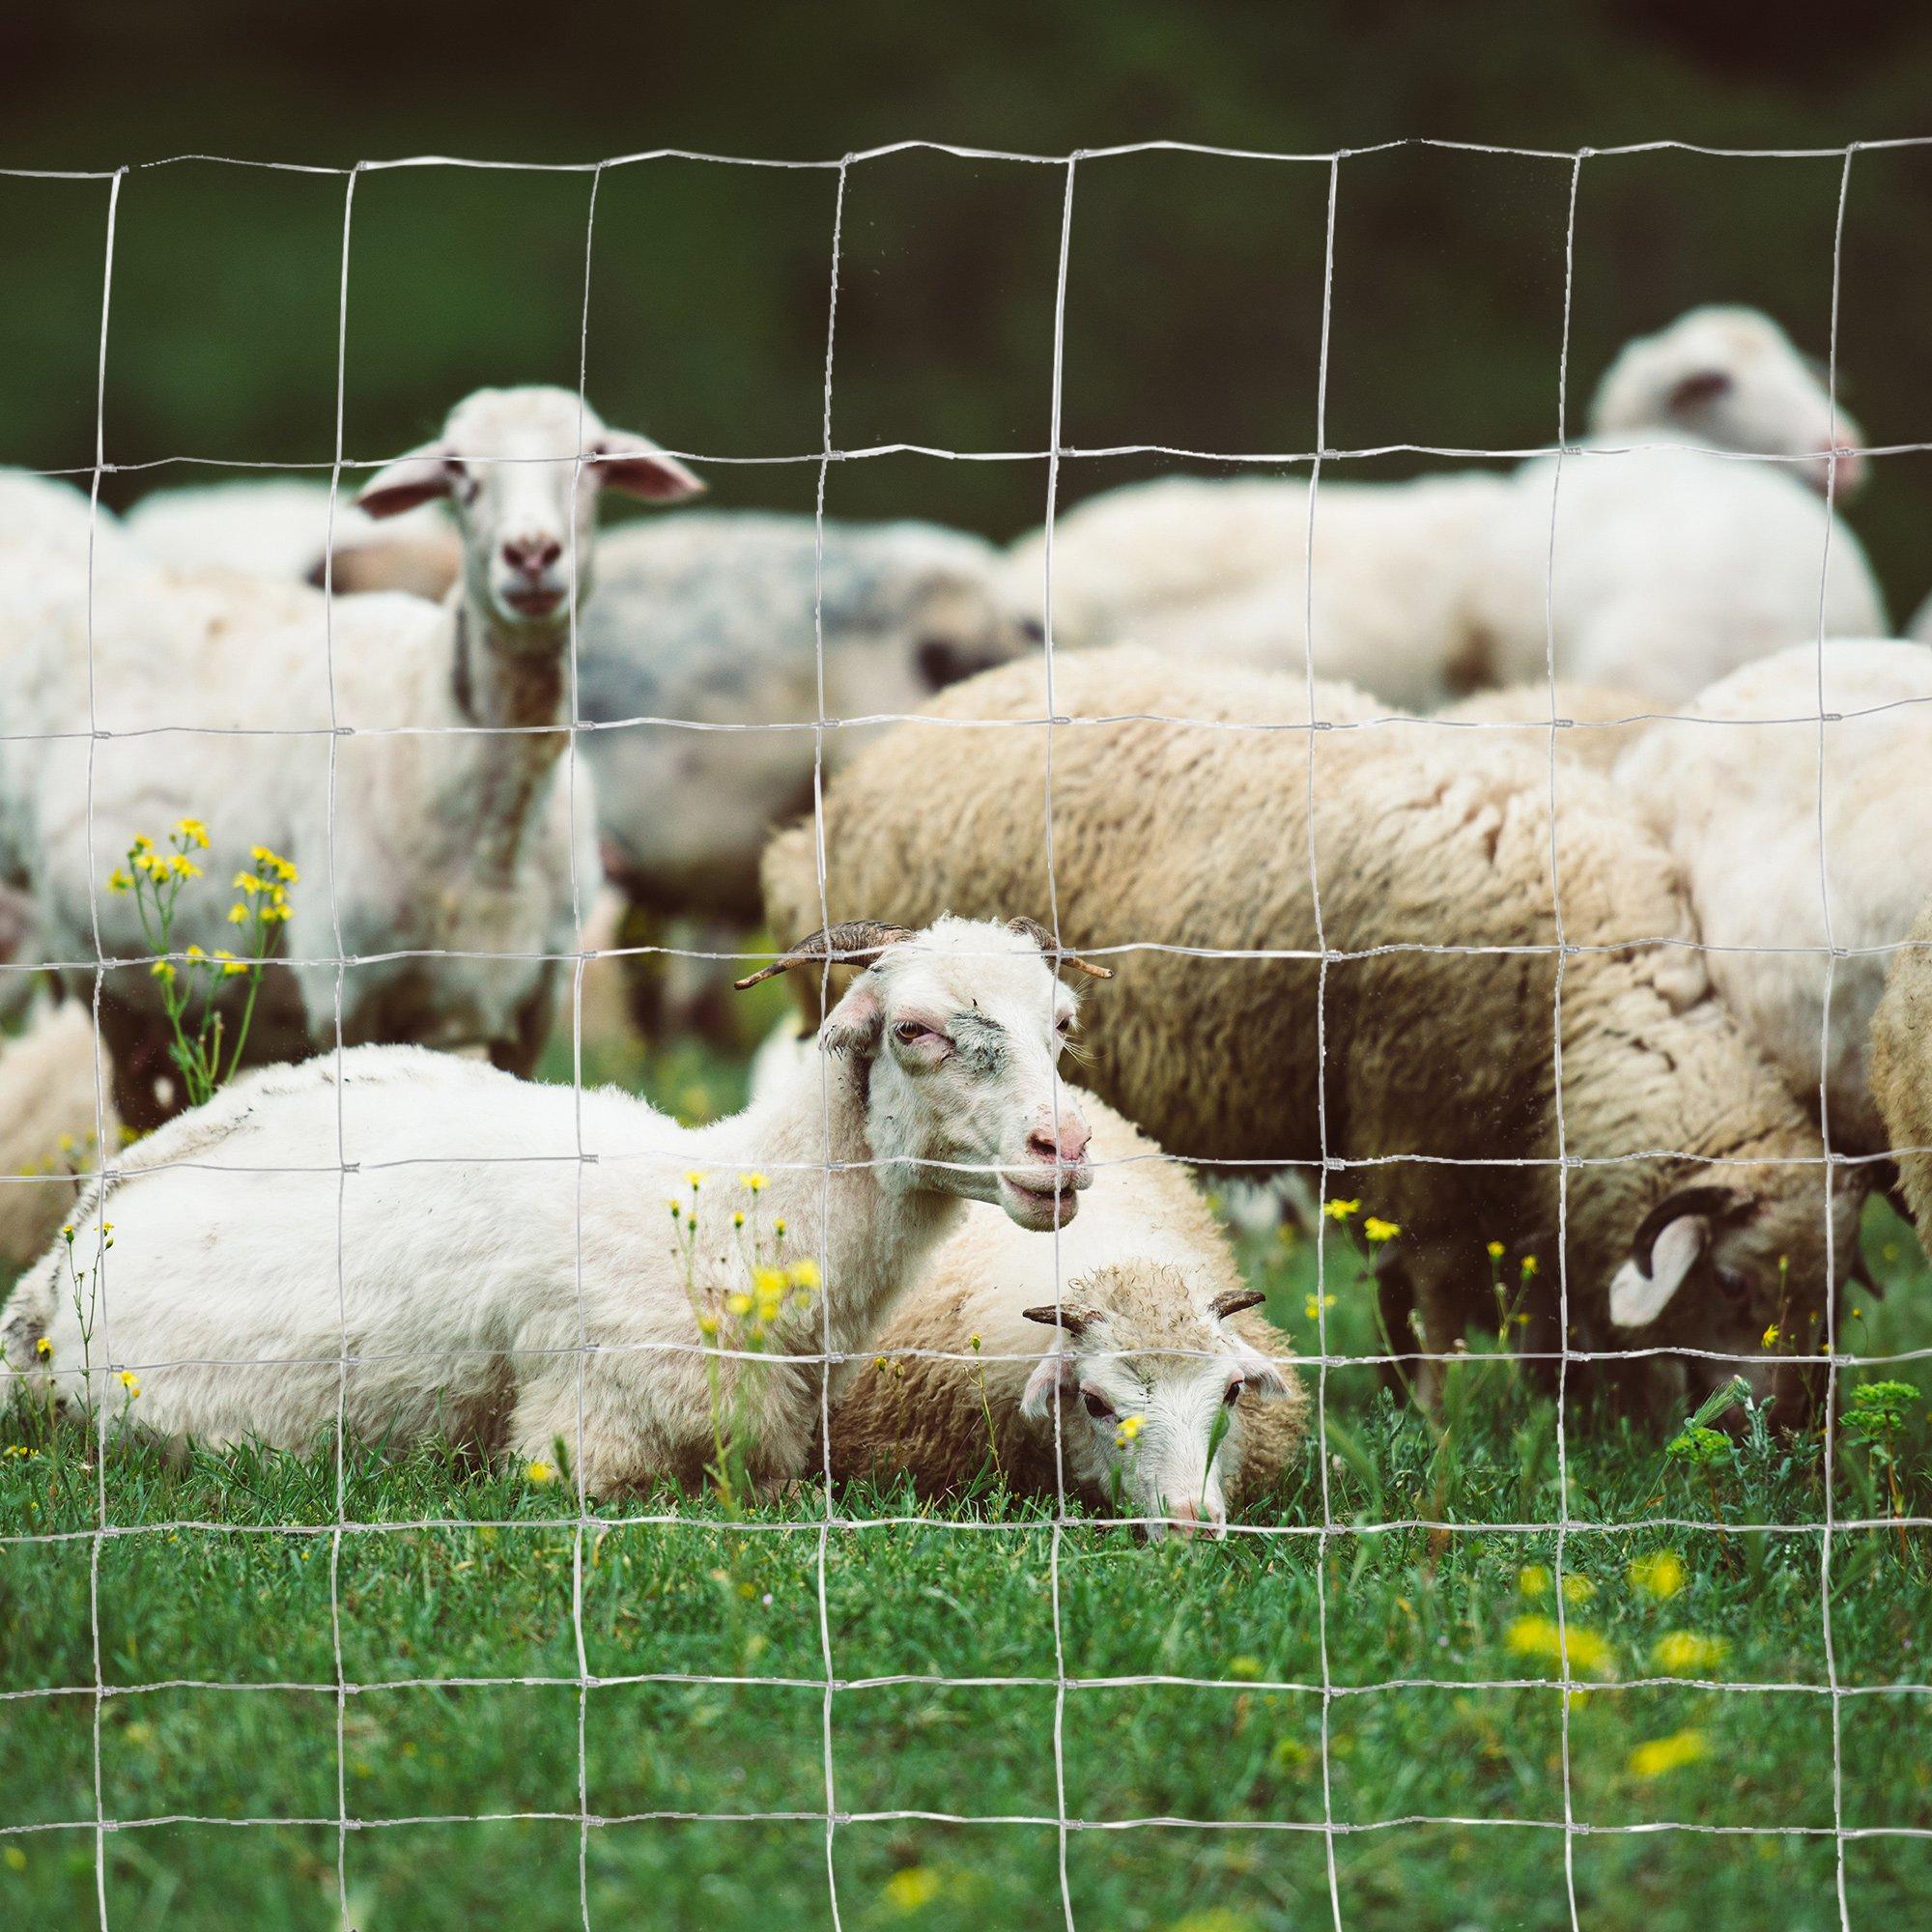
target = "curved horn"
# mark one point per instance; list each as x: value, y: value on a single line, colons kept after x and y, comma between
x: 855, y: 941
x: 1031, y: 929
x: 1073, y: 1320
x: 1714, y: 1202
x: 1231, y: 1301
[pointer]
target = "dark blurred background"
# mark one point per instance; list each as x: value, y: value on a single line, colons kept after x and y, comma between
x: 1194, y: 290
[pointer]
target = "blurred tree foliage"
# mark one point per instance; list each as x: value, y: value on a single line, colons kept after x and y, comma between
x: 1194, y: 300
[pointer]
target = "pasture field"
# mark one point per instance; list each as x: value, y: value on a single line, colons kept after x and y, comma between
x: 259, y: 1665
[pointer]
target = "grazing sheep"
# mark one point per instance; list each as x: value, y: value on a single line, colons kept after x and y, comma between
x: 1729, y: 378
x: 1672, y: 563
x: 1733, y: 788
x: 407, y: 756
x: 1696, y: 1217
x: 453, y: 1281
x: 1150, y: 1312
x: 282, y: 528
x: 50, y: 1130
x: 1901, y: 1070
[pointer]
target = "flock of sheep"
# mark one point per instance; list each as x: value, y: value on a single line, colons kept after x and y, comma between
x: 1519, y: 854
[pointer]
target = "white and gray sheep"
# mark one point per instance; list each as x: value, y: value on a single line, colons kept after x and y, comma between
x: 474, y: 1277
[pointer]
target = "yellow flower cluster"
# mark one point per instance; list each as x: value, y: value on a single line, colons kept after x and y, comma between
x: 1659, y: 1574
x: 1129, y: 1428
x: 1652, y: 1759
x: 1582, y: 1650
x: 1376, y: 1230
x: 1685, y: 1653
x: 1339, y: 1209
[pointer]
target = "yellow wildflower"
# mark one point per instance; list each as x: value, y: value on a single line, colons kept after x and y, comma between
x: 195, y: 952
x: 1339, y: 1209
x: 1533, y: 1579
x: 1375, y: 1229
x: 1659, y: 1755
x: 127, y: 1381
x: 912, y: 1888
x: 1129, y: 1428
x: 739, y: 1303
x: 248, y: 882
x: 753, y: 1182
x: 44, y: 1347
x: 1659, y: 1574
x: 1538, y: 1637
x: 16, y: 1858
x: 1529, y: 1263
x: 694, y: 1180
x: 238, y: 915
x: 118, y: 881
x: 163, y: 968
x: 779, y: 1229
x: 1249, y: 1668
x: 707, y: 1324
x: 805, y: 1273
x: 1771, y: 1336
x: 230, y: 965
x: 1496, y: 1251
x: 142, y: 844
x: 1313, y: 1307
x: 737, y: 1217
x: 192, y: 831
x: 541, y: 1471
x: 1577, y: 1589
x: 1685, y: 1653
x: 184, y: 867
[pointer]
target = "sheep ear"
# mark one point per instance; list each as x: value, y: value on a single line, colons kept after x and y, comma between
x: 1055, y: 1370
x: 1263, y: 1374
x: 1639, y: 1296
x: 639, y: 467
x: 418, y: 477
x: 1697, y: 390
x: 853, y: 1026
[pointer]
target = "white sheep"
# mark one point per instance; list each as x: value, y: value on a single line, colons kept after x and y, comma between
x: 1423, y: 1049
x: 1672, y: 562
x: 1728, y: 377
x: 1153, y: 1350
x: 1920, y: 627
x: 1901, y: 1071
x: 1734, y: 788
x: 407, y: 757
x: 473, y: 1276
x: 283, y: 528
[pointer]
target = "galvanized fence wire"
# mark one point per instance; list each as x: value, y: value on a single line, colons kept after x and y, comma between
x: 1314, y: 1539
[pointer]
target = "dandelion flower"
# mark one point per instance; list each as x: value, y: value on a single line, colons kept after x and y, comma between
x: 1129, y: 1428
x: 1496, y: 1251
x: 1659, y: 1574
x: 1339, y: 1209
x: 44, y: 1347
x: 1658, y: 1756
x: 541, y: 1472
x: 1529, y: 1264
x: 1685, y: 1653
x: 1375, y: 1229
x: 805, y: 1273
x: 128, y: 1382
x: 694, y: 1180
x: 1533, y: 1579
x: 755, y: 1184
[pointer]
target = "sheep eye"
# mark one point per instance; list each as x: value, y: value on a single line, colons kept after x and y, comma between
x: 1095, y: 1405
x: 1233, y: 1394
x: 910, y: 1032
x: 1732, y: 1285
x: 1063, y: 1025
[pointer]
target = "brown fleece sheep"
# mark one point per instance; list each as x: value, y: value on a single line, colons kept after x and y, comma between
x: 1151, y: 1327
x: 1601, y: 721
x: 1696, y: 1198
x: 1901, y: 1070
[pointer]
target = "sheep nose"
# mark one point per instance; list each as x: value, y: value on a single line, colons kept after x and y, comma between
x: 1065, y: 1144
x: 532, y: 556
x: 1192, y: 1518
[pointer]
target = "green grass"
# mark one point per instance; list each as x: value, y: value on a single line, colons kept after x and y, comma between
x: 1438, y: 1713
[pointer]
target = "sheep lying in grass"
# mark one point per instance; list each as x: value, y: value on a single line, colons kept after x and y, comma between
x: 1901, y: 1070
x: 1156, y: 1362
x: 1673, y: 563
x: 286, y: 527
x: 1696, y: 1217
x: 425, y: 798
x: 1733, y: 788
x: 453, y: 1281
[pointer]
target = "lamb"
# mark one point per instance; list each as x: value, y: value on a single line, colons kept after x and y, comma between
x: 1695, y: 1213
x: 1901, y: 1070
x: 1149, y: 1304
x: 1734, y: 792
x: 415, y: 778
x: 250, y: 1287
x: 1425, y: 590
x: 283, y: 528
